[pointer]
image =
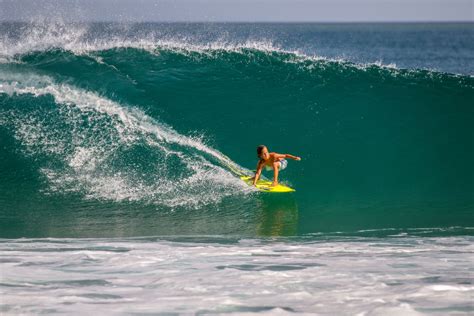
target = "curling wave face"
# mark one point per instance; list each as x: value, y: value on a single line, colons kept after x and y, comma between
x: 129, y: 119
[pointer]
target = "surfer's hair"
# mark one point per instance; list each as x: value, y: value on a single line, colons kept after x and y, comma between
x: 260, y: 149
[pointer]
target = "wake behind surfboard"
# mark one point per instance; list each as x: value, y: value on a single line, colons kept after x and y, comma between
x: 265, y: 185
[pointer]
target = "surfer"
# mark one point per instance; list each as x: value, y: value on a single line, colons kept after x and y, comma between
x: 271, y: 161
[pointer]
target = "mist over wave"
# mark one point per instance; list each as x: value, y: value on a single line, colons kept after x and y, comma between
x: 414, y: 46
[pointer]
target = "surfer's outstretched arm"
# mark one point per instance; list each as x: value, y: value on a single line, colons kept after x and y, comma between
x: 287, y: 156
x: 292, y: 157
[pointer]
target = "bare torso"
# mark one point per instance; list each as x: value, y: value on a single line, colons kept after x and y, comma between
x: 270, y: 161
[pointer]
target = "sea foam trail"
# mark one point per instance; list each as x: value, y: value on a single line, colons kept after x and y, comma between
x: 86, y: 135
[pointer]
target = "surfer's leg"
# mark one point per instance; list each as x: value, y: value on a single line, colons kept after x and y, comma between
x: 276, y: 168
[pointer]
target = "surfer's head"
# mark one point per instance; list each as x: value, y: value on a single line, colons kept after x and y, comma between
x: 262, y: 152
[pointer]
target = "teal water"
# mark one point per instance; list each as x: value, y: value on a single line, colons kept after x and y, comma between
x: 134, y: 139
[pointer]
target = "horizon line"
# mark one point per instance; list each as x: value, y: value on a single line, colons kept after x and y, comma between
x: 261, y: 22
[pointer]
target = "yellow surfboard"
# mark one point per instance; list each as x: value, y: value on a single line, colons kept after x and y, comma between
x: 266, y: 186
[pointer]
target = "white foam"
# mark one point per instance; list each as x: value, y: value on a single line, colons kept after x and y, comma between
x: 452, y: 288
x: 160, y: 275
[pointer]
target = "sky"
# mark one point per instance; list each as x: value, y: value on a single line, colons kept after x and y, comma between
x: 239, y: 10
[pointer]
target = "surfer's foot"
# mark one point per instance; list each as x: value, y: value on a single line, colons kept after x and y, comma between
x: 274, y: 184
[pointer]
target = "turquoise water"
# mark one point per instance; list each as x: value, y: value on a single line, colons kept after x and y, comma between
x: 114, y: 132
x: 140, y: 132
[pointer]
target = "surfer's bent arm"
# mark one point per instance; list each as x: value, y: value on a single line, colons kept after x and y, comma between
x: 258, y: 172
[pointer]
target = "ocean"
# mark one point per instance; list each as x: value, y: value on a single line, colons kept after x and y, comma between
x: 119, y: 142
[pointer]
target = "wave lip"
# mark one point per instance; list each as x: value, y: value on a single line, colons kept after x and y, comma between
x: 82, y: 39
x: 77, y: 38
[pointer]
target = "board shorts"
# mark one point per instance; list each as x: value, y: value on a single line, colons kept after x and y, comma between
x: 283, y: 164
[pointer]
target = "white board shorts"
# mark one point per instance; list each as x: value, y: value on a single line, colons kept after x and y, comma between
x: 283, y: 164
